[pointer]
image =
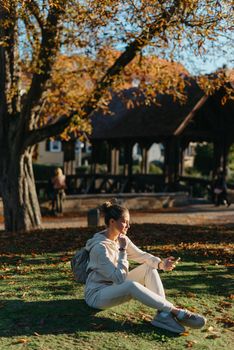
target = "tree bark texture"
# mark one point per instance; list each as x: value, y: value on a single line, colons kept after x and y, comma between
x: 20, y: 202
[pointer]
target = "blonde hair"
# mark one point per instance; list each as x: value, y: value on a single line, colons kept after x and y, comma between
x: 58, y: 172
x: 112, y: 210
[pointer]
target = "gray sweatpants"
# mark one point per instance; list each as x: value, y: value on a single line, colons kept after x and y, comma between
x: 143, y: 284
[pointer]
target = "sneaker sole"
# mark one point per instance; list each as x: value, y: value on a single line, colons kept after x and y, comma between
x: 198, y: 326
x: 193, y: 326
x: 168, y: 328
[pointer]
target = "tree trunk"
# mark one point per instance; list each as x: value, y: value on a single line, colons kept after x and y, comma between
x: 20, y: 202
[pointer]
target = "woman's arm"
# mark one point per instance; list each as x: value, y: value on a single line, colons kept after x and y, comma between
x: 138, y: 255
x: 107, y: 268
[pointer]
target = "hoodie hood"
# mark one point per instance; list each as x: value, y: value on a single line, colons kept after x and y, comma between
x: 99, y: 237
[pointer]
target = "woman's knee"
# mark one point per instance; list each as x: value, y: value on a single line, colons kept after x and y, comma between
x: 130, y: 285
x: 151, y: 272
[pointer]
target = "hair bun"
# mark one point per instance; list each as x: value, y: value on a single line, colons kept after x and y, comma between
x: 108, y: 204
x: 105, y: 206
x: 114, y: 201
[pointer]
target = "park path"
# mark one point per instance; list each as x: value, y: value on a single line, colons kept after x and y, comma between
x: 198, y: 214
x: 190, y: 215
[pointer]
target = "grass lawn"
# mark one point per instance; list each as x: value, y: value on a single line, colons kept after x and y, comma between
x: 41, y: 307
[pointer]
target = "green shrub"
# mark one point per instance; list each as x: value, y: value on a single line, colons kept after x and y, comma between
x: 136, y: 169
x: 155, y: 169
x: 83, y: 169
x: 192, y: 172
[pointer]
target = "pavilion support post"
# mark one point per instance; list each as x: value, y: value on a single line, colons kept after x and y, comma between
x: 109, y: 158
x: 128, y: 163
x: 145, y: 159
x: 68, y: 148
x: 145, y: 146
x: 181, y: 162
x: 182, y: 147
x: 171, y: 165
x: 94, y: 152
x: 226, y: 149
x: 221, y: 149
x: 115, y: 161
x: 219, y: 158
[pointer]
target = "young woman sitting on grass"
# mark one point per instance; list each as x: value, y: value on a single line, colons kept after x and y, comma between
x: 110, y: 282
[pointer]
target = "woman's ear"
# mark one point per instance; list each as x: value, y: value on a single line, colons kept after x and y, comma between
x: 111, y: 222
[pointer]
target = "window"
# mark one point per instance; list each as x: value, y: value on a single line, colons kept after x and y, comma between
x: 55, y: 146
x: 78, y: 146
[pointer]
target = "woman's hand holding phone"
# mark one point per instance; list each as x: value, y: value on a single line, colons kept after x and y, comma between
x: 170, y: 263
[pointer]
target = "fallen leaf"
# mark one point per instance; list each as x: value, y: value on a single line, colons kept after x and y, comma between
x: 146, y: 317
x: 190, y: 343
x: 65, y: 258
x: 190, y: 295
x: 21, y: 341
x: 226, y: 304
x: 226, y: 321
x: 4, y: 277
x: 184, y: 334
x: 213, y: 336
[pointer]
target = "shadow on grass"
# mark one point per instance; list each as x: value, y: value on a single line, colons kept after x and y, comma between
x: 22, y: 318
x: 201, y: 279
x: 70, y: 239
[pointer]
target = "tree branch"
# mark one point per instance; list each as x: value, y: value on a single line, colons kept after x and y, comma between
x: 3, y: 103
x: 33, y: 36
x: 38, y: 135
x: 48, y: 49
x: 36, y: 12
x: 8, y: 73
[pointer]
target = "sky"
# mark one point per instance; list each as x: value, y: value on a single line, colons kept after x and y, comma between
x: 217, y: 54
x: 206, y: 65
x: 209, y: 63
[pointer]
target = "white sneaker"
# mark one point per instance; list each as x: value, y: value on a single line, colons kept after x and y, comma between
x: 192, y: 320
x: 169, y: 323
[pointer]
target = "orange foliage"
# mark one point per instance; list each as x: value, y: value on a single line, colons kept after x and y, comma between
x: 74, y: 78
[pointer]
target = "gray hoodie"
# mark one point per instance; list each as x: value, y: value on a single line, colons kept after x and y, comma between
x: 110, y: 266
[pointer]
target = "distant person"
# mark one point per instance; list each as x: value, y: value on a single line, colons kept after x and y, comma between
x: 111, y: 283
x: 220, y: 190
x: 59, y: 185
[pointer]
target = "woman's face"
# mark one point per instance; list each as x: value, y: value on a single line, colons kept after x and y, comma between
x: 122, y: 224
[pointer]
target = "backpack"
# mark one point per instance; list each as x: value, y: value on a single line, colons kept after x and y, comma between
x: 79, y: 265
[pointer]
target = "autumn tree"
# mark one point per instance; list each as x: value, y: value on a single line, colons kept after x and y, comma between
x: 34, y: 33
